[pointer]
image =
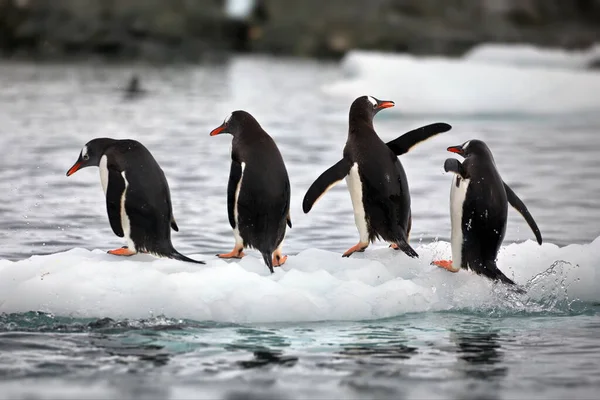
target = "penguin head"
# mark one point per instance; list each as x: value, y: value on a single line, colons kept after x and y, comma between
x: 90, y: 154
x: 470, y: 147
x: 237, y: 122
x: 366, y: 107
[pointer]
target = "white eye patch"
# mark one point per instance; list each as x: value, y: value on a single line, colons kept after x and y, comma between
x: 227, y: 119
x: 84, y: 152
x: 372, y: 100
x: 466, y: 145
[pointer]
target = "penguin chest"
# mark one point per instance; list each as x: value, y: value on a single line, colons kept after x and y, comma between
x: 458, y: 194
x: 103, y: 166
x: 236, y: 230
x: 356, y: 194
x: 125, y: 223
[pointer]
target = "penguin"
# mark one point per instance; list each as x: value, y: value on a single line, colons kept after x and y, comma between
x: 375, y: 178
x: 138, y: 200
x: 479, y: 201
x: 258, y: 192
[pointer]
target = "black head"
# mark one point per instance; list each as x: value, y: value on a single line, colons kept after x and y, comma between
x: 237, y: 122
x: 91, y: 154
x: 365, y: 107
x: 471, y: 147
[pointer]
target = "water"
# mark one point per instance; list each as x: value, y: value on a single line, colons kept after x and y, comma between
x: 49, y: 112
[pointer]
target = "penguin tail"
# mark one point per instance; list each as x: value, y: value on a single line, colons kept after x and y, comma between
x: 406, y: 248
x: 491, y: 271
x: 175, y: 255
x: 268, y: 260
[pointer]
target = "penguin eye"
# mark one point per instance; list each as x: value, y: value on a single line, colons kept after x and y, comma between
x: 86, y: 157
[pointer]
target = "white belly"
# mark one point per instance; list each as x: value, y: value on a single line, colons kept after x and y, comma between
x: 104, y: 173
x: 356, y: 194
x: 236, y: 231
x: 125, y: 225
x: 457, y: 198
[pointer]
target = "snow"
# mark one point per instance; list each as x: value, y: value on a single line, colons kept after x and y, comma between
x: 466, y: 86
x: 529, y: 55
x: 313, y: 285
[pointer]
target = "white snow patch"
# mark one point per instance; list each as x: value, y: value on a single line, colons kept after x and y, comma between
x: 527, y: 55
x: 439, y: 85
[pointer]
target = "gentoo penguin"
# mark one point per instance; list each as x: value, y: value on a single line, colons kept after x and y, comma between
x: 138, y: 200
x: 375, y: 178
x: 478, y: 211
x: 258, y: 192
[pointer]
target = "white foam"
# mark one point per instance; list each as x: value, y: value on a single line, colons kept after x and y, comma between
x: 313, y: 285
x: 437, y: 85
x: 529, y: 55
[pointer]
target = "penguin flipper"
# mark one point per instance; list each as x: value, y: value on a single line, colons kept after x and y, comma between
x: 324, y: 182
x: 114, y: 193
x: 405, y: 142
x: 516, y: 202
x: 453, y: 165
x: 235, y: 174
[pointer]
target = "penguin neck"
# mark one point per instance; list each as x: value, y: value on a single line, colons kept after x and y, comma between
x: 360, y: 124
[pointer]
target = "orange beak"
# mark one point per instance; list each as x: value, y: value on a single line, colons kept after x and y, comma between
x: 218, y: 130
x: 385, y: 104
x: 74, y: 169
x: 455, y: 149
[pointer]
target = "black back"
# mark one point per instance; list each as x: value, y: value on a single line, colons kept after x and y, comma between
x: 148, y: 199
x: 264, y: 197
x: 386, y: 197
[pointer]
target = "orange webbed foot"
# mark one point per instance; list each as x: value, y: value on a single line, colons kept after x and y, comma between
x: 123, y: 251
x: 446, y: 264
x: 279, y: 260
x: 357, y: 248
x: 394, y: 246
x: 235, y: 253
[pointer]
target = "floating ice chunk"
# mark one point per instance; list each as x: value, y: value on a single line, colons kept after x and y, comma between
x: 313, y: 285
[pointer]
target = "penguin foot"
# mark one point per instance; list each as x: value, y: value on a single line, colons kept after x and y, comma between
x: 279, y: 260
x: 235, y: 253
x: 123, y: 251
x: 357, y: 248
x: 446, y: 264
x: 394, y: 246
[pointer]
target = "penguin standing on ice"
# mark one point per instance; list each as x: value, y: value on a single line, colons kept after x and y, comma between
x: 258, y: 192
x: 138, y: 200
x: 375, y: 178
x: 479, y: 201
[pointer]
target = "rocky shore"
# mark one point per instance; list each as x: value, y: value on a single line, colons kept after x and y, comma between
x: 193, y: 30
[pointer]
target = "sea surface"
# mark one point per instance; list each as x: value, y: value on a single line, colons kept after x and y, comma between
x: 47, y: 114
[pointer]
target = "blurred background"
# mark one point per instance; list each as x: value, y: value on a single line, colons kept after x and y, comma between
x: 192, y: 30
x: 519, y: 74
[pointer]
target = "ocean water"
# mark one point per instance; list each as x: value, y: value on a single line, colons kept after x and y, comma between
x: 78, y: 323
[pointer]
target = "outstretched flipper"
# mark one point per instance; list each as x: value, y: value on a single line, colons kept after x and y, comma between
x: 516, y: 202
x: 326, y: 181
x: 405, y: 142
x: 453, y: 165
x: 114, y: 194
